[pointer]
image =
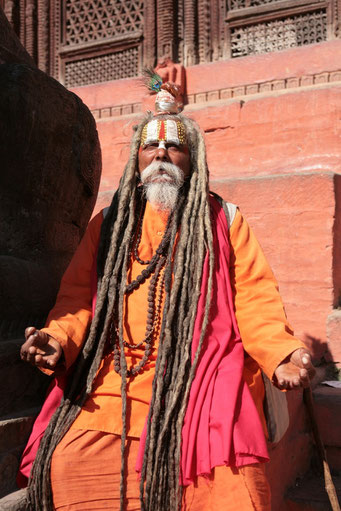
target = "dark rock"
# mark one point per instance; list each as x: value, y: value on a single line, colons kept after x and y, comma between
x: 50, y: 171
x: 21, y: 385
x: 51, y: 164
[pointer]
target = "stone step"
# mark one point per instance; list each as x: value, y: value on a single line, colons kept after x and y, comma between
x: 15, y: 501
x: 327, y: 406
x: 14, y: 433
x: 309, y: 494
x: 15, y: 430
x: 334, y: 336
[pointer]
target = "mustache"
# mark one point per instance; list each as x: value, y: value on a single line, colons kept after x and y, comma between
x: 168, y: 171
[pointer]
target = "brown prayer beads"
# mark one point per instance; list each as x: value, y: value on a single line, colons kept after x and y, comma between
x: 154, y: 268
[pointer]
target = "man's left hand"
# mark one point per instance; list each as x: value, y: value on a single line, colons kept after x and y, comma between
x: 295, y: 371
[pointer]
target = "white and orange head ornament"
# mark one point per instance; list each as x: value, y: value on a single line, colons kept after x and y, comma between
x: 168, y: 101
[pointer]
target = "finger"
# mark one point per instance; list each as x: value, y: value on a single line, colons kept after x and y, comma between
x: 25, y: 353
x: 41, y: 361
x: 30, y: 355
x: 304, y: 377
x: 37, y: 339
x: 29, y: 331
x: 295, y: 383
x: 308, y: 365
x: 282, y: 383
x: 301, y: 358
x: 24, y: 350
x: 306, y: 360
x: 36, y: 359
x: 30, y: 340
x: 29, y: 336
x: 51, y: 362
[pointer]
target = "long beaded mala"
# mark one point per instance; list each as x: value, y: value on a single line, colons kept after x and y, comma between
x: 154, y: 268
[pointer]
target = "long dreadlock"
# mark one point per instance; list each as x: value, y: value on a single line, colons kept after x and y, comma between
x: 174, y: 372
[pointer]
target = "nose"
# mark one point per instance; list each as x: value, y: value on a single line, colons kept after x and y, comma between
x: 161, y: 154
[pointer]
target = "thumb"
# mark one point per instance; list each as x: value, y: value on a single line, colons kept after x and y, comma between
x: 301, y: 358
x: 36, y: 337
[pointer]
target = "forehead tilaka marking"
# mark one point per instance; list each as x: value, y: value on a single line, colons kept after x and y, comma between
x: 165, y: 129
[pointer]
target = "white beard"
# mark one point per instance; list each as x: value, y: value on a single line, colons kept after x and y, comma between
x: 161, y: 183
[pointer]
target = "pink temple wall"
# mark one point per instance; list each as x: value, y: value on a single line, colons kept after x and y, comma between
x: 274, y: 152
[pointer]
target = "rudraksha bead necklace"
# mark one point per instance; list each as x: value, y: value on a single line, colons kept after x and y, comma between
x: 155, y: 265
x: 153, y: 318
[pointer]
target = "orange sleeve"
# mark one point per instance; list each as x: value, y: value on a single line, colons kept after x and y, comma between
x: 266, y: 334
x: 69, y: 320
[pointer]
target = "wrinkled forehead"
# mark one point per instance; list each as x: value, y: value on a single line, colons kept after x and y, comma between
x: 167, y: 130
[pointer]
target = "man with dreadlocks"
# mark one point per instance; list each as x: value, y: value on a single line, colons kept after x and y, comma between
x: 149, y: 315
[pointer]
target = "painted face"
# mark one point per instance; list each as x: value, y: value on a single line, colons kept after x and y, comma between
x: 164, y: 140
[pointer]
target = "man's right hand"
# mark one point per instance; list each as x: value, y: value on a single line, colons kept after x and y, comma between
x: 40, y: 349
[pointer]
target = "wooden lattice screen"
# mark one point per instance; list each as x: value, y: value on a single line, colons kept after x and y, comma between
x: 259, y: 26
x: 81, y: 42
x: 101, y: 40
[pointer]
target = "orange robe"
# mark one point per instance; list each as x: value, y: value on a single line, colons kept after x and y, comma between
x: 267, y: 340
x: 92, y: 462
x: 267, y: 337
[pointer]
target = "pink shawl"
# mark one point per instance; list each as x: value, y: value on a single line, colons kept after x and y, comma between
x: 222, y: 425
x: 51, y: 403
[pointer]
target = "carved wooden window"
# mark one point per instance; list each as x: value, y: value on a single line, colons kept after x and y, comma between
x: 100, y: 40
x: 260, y: 26
x: 81, y: 42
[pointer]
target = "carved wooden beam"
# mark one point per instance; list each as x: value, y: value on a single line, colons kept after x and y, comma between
x: 22, y: 22
x: 43, y: 35
x: 149, y: 44
x: 337, y: 18
x: 165, y: 29
x: 30, y: 28
x: 204, y: 18
x: 11, y: 50
x: 190, y: 39
x: 215, y: 31
x: 9, y: 8
x: 55, y: 30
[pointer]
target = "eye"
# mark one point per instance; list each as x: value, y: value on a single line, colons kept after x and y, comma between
x: 151, y: 146
x: 173, y: 147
